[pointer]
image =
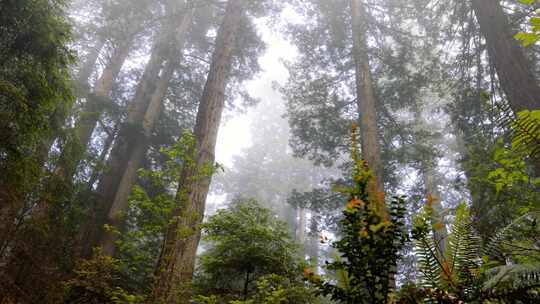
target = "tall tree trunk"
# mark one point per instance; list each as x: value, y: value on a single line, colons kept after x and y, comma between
x: 73, y: 151
x: 177, y: 259
x: 513, y: 69
x: 365, y: 95
x: 314, y: 240
x: 433, y: 197
x: 89, y: 64
x: 129, y: 177
x: 301, y: 226
x: 367, y: 111
x: 102, y: 156
x: 125, y: 175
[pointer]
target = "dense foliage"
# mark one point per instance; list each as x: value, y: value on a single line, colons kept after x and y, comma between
x: 111, y: 118
x: 372, y: 236
x: 250, y: 254
x: 473, y: 271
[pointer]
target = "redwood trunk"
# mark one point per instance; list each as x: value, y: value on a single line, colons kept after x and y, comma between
x: 73, y: 151
x: 513, y: 69
x: 367, y: 111
x: 129, y: 177
x: 365, y: 95
x: 177, y: 260
x: 124, y: 166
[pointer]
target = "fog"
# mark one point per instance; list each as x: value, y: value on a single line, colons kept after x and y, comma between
x: 269, y: 151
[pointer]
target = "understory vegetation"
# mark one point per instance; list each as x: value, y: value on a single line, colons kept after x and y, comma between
x: 269, y: 151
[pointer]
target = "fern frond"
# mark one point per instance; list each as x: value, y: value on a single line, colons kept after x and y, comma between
x: 463, y: 249
x: 494, y: 247
x: 429, y: 263
x: 509, y: 278
x: 527, y: 133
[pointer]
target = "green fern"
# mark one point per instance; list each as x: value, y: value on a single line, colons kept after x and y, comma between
x: 511, y: 277
x: 466, y: 272
x: 494, y: 248
x: 524, y: 129
x: 527, y: 133
x: 429, y: 264
x: 462, y: 255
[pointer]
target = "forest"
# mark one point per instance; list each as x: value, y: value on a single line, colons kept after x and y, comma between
x: 269, y: 151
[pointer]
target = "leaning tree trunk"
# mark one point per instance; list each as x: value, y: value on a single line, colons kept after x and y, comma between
x: 133, y: 138
x: 141, y: 144
x: 91, y: 112
x: 365, y: 95
x: 513, y: 69
x: 87, y: 68
x: 177, y: 259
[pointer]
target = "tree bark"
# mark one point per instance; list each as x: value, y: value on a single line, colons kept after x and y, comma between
x: 91, y: 112
x: 177, y: 259
x: 139, y: 145
x: 365, y: 95
x: 513, y: 69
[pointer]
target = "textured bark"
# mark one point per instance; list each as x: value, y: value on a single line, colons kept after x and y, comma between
x: 365, y: 95
x: 177, y: 259
x: 138, y: 145
x: 513, y: 69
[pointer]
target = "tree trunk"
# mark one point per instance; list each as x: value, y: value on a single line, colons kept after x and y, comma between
x: 177, y: 259
x: 246, y: 285
x: 365, y: 95
x: 314, y: 240
x: 74, y: 150
x: 301, y: 227
x: 513, y: 69
x: 367, y: 111
x: 102, y: 156
x: 139, y: 145
x: 88, y: 66
x: 433, y: 197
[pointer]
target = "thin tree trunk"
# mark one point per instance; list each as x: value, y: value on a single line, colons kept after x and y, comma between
x: 513, y: 69
x: 246, y: 285
x: 314, y: 249
x: 102, y: 156
x: 89, y: 64
x: 365, y: 95
x: 177, y: 259
x: 433, y: 197
x: 139, y: 145
x: 301, y: 226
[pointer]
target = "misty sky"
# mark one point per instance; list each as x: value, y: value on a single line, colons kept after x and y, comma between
x: 234, y: 134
